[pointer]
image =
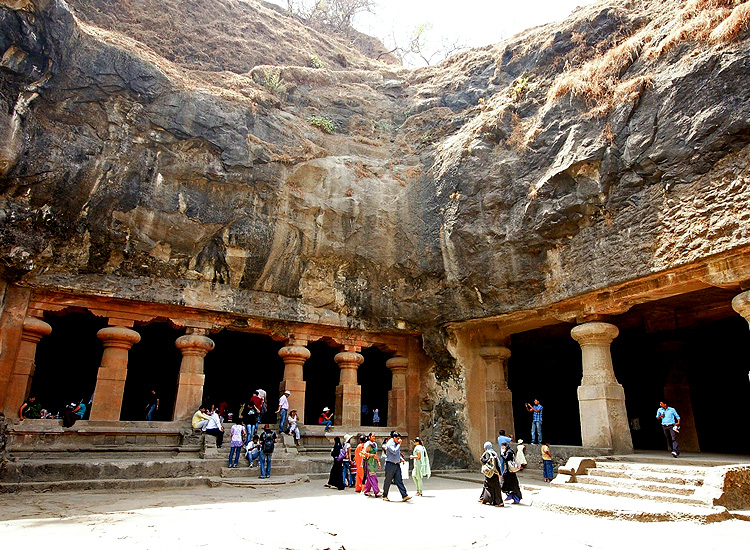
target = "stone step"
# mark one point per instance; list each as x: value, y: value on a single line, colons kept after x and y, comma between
x: 640, y: 484
x: 629, y: 492
x: 254, y: 481
x: 619, y: 507
x: 105, y: 484
x: 647, y: 476
x: 674, y: 468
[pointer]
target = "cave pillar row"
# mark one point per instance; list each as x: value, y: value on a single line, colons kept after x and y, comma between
x: 498, y: 397
x: 193, y: 346
x: 23, y: 371
x: 348, y: 392
x: 294, y: 355
x: 677, y: 393
x: 110, y: 378
x: 397, y: 395
x: 601, y: 399
x: 741, y: 304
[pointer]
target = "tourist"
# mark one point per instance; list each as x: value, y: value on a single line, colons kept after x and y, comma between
x: 491, y: 491
x: 536, y: 422
x: 670, y: 424
x: 152, y: 406
x: 214, y: 427
x: 376, y: 417
x: 393, y: 467
x: 547, y: 470
x: 502, y: 438
x: 293, y: 427
x: 253, y: 414
x: 283, y: 410
x: 358, y: 460
x: 29, y: 409
x: 336, y: 479
x: 73, y: 413
x: 263, y: 404
x: 237, y: 434
x: 521, y: 454
x: 223, y: 410
x: 267, y: 443
x: 510, y: 484
x: 421, y: 464
x: 252, y: 450
x: 326, y: 418
x: 370, y: 463
x: 346, y: 464
x: 200, y: 418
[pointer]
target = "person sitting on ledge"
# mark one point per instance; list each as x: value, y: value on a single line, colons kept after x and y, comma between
x: 214, y: 427
x: 200, y: 418
x: 326, y: 418
x: 29, y: 409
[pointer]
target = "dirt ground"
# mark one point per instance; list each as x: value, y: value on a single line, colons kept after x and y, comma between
x: 309, y: 516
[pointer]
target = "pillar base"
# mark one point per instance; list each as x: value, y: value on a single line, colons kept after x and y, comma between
x: 297, y: 397
x: 348, y: 405
x: 604, y: 419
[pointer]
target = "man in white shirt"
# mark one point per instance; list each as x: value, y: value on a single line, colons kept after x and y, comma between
x: 283, y: 410
x: 213, y: 426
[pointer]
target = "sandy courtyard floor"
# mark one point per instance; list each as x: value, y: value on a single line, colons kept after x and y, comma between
x: 308, y: 516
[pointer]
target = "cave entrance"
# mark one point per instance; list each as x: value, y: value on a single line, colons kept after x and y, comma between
x: 545, y: 364
x: 241, y: 363
x: 67, y: 360
x: 375, y: 380
x: 689, y: 350
x: 321, y: 374
x: 153, y: 363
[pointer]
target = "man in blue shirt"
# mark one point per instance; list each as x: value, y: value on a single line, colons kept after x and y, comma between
x: 670, y: 423
x: 502, y: 438
x: 536, y: 423
x: 393, y: 460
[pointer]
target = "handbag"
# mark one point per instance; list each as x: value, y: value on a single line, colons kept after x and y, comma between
x: 513, y: 466
x: 404, y: 470
x: 489, y: 469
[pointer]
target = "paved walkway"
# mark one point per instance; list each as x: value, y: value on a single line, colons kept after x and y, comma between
x: 309, y: 516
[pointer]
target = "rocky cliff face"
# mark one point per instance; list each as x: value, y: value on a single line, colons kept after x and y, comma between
x: 569, y: 158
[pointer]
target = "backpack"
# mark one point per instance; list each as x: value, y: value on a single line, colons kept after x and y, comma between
x: 267, y: 442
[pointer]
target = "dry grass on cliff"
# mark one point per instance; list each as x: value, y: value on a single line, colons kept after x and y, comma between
x: 606, y: 80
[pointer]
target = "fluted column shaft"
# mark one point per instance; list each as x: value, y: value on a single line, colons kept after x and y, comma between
x: 348, y: 392
x: 601, y: 400
x: 110, y: 379
x: 397, y: 395
x: 294, y: 357
x: 193, y: 348
x: 498, y: 397
x: 23, y: 371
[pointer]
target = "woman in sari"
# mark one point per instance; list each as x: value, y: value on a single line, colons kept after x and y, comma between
x: 510, y: 484
x: 491, y: 492
x: 360, y: 474
x: 421, y: 464
x: 336, y: 479
x: 370, y: 464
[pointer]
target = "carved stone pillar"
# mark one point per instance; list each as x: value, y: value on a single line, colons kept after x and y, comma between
x: 498, y: 397
x: 397, y: 395
x: 601, y: 400
x: 110, y: 379
x: 23, y: 370
x: 348, y: 392
x: 294, y: 356
x: 741, y: 304
x: 677, y: 393
x: 194, y: 348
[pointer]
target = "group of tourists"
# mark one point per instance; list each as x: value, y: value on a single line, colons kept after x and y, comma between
x: 359, y: 467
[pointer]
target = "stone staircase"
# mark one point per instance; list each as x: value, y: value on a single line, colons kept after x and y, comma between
x: 654, y: 490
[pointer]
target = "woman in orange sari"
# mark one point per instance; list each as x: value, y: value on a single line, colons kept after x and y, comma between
x: 358, y: 461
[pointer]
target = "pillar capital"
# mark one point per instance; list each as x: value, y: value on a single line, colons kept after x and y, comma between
x: 348, y: 359
x: 741, y: 304
x: 118, y: 337
x: 595, y: 333
x: 397, y: 363
x: 35, y: 329
x: 194, y: 344
x: 294, y: 352
x: 499, y: 353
